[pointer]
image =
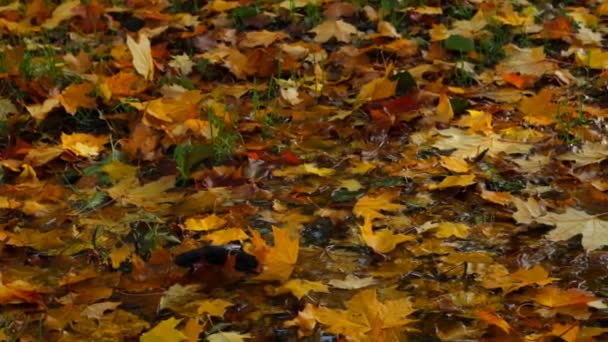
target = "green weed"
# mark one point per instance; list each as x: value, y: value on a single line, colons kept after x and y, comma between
x: 223, y: 139
x: 568, y: 127
x: 149, y: 233
x: 313, y: 15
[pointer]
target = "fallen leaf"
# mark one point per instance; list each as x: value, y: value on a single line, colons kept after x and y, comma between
x: 77, y: 96
x: 444, y: 111
x: 84, y: 145
x: 553, y: 297
x: 338, y: 29
x: 573, y: 222
x: 305, y: 321
x: 278, y: 261
x: 228, y: 336
x: 142, y: 56
x: 493, y: 319
x: 164, y: 331
x: 97, y: 310
x: 224, y: 236
x: 213, y: 307
x: 454, y: 181
x: 64, y: 11
x: 298, y: 287
x: 210, y: 222
x: 381, y: 241
x: 370, y: 206
x: 352, y: 282
x: 366, y: 318
x: 499, y: 277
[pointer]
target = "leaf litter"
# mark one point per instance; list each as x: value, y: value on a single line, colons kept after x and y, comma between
x: 252, y: 171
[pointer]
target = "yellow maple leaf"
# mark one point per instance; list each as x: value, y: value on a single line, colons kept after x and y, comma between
x: 444, y: 111
x: 228, y: 336
x: 118, y: 255
x: 538, y: 109
x: 223, y: 236
x: 448, y: 229
x: 382, y: 241
x: 476, y: 121
x: 498, y: 197
x: 305, y: 321
x: 497, y: 276
x: 594, y: 58
x: 277, y: 261
x: 118, y: 170
x: 213, y: 307
x: 298, y: 287
x: 77, y: 96
x: 366, y: 318
x: 378, y: 89
x: 370, y: 206
x: 454, y: 181
x: 493, y: 319
x: 454, y: 164
x: 83, y: 144
x: 164, y: 331
x: 150, y: 195
x: 210, y: 222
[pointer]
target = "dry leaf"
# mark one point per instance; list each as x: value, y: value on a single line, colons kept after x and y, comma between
x: 142, y: 56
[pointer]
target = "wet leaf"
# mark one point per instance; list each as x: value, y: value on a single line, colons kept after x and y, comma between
x: 164, y: 331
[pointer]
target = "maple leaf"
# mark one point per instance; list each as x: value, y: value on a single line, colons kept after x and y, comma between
x: 299, y: 288
x: 84, y: 145
x: 469, y: 145
x: 64, y: 11
x: 493, y: 319
x: 499, y: 277
x: 164, y: 332
x: 574, y: 222
x: 213, y: 307
x: 525, y: 61
x: 18, y: 291
x: 378, y: 89
x: 261, y: 38
x: 454, y: 164
x: 142, y: 56
x: 210, y: 222
x: 371, y: 205
x: 76, y: 96
x: 40, y: 111
x: 278, y: 261
x: 382, y: 241
x: 538, y: 109
x: 228, y: 336
x: 97, y: 310
x: 454, y: 181
x: 444, y: 110
x: 590, y: 153
x: 366, y: 318
x: 224, y: 236
x: 338, y: 29
x: 553, y: 296
x: 446, y: 229
x: 305, y: 321
x: 528, y: 211
x: 477, y: 121
x: 150, y: 195
x: 352, y: 282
